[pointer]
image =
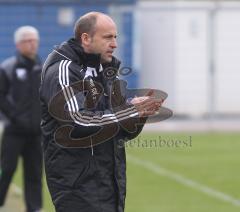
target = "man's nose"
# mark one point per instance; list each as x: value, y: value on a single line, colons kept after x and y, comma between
x: 114, y: 43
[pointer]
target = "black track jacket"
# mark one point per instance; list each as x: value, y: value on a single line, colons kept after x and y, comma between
x: 79, y: 98
x: 19, y: 94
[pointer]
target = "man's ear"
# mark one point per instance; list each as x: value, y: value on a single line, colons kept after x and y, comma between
x: 86, y: 39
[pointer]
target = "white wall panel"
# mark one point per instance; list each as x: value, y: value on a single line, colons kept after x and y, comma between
x: 228, y: 61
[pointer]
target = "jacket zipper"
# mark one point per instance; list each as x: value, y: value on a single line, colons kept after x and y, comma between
x: 92, y: 147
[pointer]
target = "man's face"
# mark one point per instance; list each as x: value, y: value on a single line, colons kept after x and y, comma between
x: 28, y: 46
x: 104, y: 39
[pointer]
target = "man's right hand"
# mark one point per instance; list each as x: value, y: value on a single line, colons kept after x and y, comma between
x: 147, y: 105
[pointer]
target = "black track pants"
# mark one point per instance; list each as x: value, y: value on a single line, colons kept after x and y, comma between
x: 29, y: 147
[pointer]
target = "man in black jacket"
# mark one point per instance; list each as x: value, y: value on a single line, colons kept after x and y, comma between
x: 86, y: 117
x: 19, y: 102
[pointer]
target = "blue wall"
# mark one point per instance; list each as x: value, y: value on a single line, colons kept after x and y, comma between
x: 127, y: 51
x: 44, y: 17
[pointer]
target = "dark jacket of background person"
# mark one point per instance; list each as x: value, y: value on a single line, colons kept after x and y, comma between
x: 95, y: 175
x: 19, y: 94
x: 19, y: 102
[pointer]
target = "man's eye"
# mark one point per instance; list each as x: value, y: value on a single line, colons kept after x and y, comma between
x: 108, y: 37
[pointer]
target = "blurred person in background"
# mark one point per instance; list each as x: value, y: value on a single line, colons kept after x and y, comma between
x: 85, y: 174
x: 19, y: 102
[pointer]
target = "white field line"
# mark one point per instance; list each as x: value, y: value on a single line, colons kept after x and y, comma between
x: 183, y: 180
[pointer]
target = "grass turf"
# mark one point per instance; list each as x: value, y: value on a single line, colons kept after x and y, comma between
x: 211, y: 159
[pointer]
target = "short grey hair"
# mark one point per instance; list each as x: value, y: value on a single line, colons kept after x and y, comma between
x: 22, y: 31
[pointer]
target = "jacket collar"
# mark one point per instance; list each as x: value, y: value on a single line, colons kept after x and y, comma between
x: 72, y: 50
x: 27, y: 62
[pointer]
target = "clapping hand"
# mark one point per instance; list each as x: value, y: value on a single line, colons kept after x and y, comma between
x: 147, y: 105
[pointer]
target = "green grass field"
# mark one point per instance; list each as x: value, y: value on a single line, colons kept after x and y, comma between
x: 201, y: 176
